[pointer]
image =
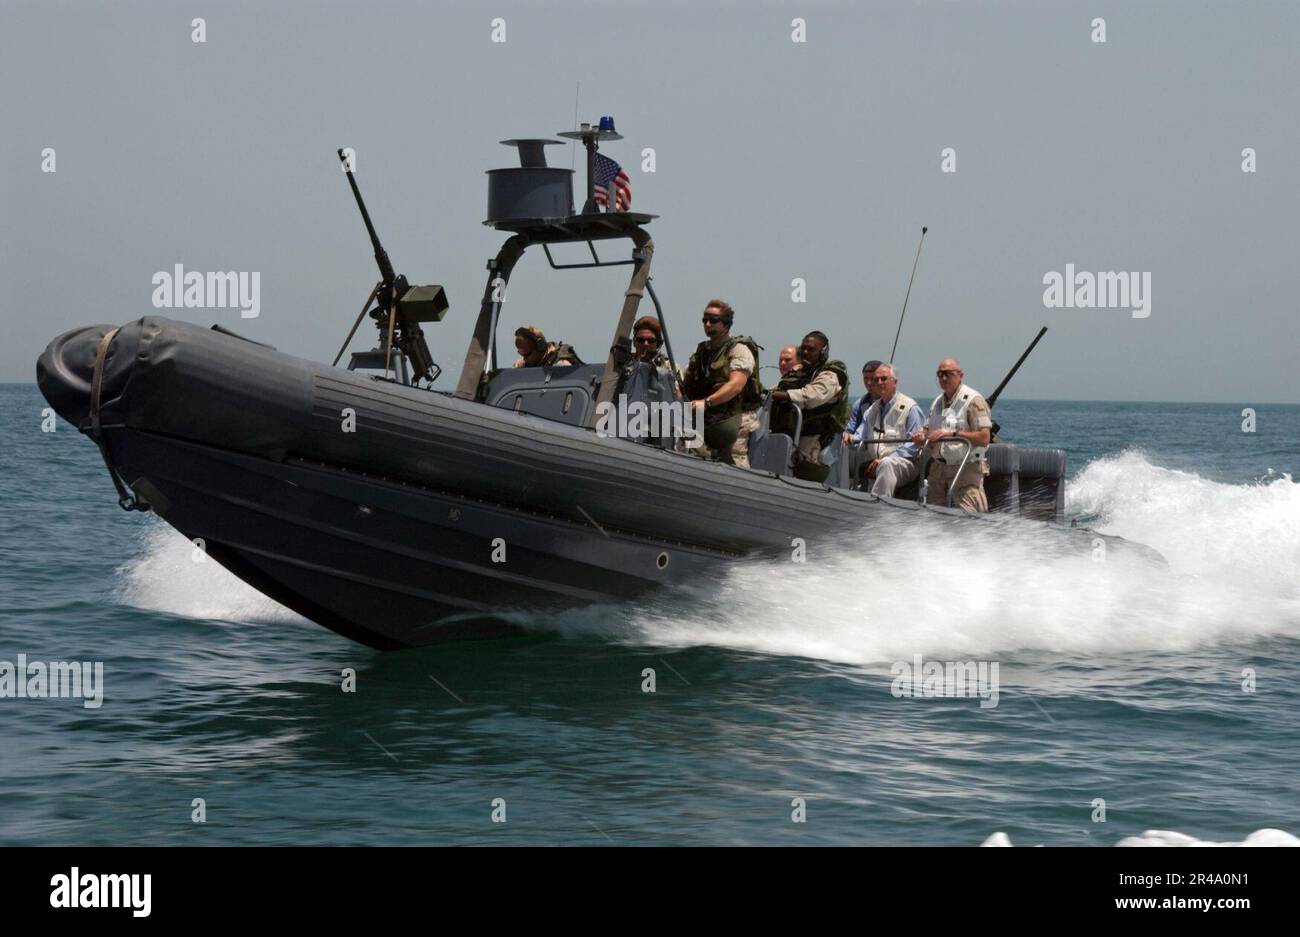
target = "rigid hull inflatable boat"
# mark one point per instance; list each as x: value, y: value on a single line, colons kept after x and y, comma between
x: 400, y: 515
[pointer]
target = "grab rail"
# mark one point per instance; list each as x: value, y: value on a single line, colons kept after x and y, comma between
x: 925, y: 459
x: 765, y: 420
x: 925, y: 456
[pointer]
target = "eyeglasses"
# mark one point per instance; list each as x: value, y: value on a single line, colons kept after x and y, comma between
x: 711, y: 320
x: 946, y: 372
x: 647, y: 340
x: 882, y: 380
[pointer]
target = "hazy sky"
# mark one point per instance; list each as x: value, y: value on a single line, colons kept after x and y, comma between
x: 774, y: 160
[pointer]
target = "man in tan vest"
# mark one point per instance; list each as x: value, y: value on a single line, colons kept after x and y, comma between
x: 960, y: 412
x: 892, y: 415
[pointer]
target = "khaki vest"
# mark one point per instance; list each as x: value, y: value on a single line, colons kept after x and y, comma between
x: 952, y: 418
x: 893, y: 426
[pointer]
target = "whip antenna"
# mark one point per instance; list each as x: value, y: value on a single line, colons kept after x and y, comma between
x: 909, y: 293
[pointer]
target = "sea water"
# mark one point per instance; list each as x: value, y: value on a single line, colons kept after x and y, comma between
x: 1134, y: 704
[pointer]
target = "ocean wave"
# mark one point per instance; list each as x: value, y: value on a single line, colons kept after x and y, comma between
x: 1265, y: 837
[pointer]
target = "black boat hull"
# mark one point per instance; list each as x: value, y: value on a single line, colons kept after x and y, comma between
x: 387, y: 563
x: 401, y: 517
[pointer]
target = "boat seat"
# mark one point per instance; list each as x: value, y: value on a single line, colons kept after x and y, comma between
x: 768, y: 451
x: 775, y: 452
x: 1002, y: 484
x: 1042, y: 483
x: 771, y: 452
x: 1026, y: 482
x: 564, y: 393
x: 839, y: 455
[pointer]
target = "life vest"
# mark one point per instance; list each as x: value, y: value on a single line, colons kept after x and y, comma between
x: 952, y: 418
x: 893, y: 425
x: 708, y: 370
x: 822, y: 421
x: 660, y: 362
x: 556, y: 353
x: 560, y: 353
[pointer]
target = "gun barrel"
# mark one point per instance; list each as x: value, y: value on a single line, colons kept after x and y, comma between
x: 381, y: 256
x: 993, y: 397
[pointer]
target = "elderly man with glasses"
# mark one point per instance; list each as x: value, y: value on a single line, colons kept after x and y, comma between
x: 892, y: 417
x: 960, y: 412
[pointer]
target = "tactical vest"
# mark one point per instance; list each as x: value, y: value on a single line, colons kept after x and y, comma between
x: 822, y: 421
x: 556, y: 353
x: 560, y: 353
x: 892, y: 426
x: 661, y: 362
x: 708, y: 370
x: 952, y: 418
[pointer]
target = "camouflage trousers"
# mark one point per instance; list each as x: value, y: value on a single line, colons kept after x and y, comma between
x: 740, y: 449
x: 719, y: 440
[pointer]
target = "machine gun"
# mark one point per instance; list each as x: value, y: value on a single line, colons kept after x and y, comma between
x: 993, y: 397
x: 399, y: 309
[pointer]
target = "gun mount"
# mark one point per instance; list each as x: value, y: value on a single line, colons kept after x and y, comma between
x: 398, y: 310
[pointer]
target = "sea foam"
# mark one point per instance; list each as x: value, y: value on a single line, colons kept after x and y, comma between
x: 1265, y: 837
x: 170, y: 574
x: 904, y: 587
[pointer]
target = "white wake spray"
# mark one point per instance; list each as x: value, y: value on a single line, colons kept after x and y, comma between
x: 169, y: 575
x: 1265, y: 837
x: 905, y: 588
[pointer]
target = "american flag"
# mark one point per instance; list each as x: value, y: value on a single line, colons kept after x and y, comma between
x: 608, y: 171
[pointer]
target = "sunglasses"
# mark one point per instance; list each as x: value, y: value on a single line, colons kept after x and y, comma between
x: 881, y: 380
x: 946, y: 372
x: 647, y: 340
x: 711, y: 320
